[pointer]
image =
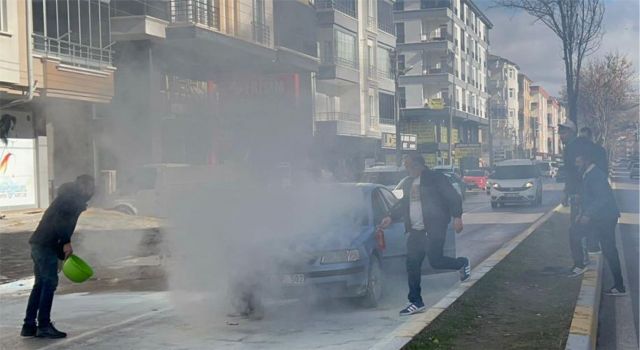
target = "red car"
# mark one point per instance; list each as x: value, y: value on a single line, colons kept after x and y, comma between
x: 476, y: 178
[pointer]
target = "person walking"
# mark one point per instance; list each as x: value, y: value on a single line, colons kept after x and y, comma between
x: 427, y: 206
x: 51, y: 242
x: 573, y: 146
x: 600, y: 213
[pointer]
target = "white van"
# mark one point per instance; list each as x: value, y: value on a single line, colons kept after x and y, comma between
x: 515, y: 181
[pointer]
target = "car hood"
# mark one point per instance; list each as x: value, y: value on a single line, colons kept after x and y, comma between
x: 511, y: 183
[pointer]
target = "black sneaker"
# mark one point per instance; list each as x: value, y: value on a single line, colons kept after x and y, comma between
x: 616, y: 291
x: 411, y: 309
x: 28, y: 330
x: 49, y: 331
x: 465, y: 270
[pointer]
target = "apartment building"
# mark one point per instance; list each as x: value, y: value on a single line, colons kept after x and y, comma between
x: 355, y: 82
x: 56, y: 76
x: 503, y: 106
x: 442, y: 58
x: 554, y: 113
x: 527, y: 124
x: 540, y: 112
x: 212, y: 82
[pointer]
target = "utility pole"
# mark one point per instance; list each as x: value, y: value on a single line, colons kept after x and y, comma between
x: 396, y: 76
x: 453, y: 99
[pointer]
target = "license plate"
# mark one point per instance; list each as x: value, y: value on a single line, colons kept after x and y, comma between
x: 511, y: 195
x: 293, y: 279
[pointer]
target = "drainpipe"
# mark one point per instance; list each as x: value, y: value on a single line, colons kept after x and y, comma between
x: 30, y: 82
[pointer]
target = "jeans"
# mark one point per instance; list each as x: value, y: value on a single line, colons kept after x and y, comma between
x: 578, y: 235
x: 420, y: 245
x: 45, y: 269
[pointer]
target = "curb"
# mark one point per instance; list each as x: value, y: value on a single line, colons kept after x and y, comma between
x: 584, y: 325
x: 404, y: 333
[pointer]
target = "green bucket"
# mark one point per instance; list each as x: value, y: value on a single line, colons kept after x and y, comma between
x: 76, y: 269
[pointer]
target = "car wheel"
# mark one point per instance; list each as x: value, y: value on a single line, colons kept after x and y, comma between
x: 374, y: 283
x: 494, y: 205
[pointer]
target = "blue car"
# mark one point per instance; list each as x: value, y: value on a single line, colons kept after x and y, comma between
x: 346, y: 258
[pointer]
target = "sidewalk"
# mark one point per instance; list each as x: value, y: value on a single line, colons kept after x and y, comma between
x: 94, y: 219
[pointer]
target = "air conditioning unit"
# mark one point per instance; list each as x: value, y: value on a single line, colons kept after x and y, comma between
x: 109, y: 181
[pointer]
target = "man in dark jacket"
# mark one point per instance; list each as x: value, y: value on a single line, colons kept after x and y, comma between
x: 428, y: 203
x: 600, y: 213
x: 52, y: 241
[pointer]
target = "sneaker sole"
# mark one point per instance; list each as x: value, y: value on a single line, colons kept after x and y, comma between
x: 419, y: 311
x: 616, y: 294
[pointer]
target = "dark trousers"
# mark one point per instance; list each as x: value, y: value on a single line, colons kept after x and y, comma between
x: 419, y: 245
x: 605, y: 230
x: 578, y: 235
x: 45, y: 269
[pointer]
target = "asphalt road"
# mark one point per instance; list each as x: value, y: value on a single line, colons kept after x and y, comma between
x: 618, y: 318
x: 167, y: 320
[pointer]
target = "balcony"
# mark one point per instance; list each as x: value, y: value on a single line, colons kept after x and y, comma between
x: 431, y: 37
x: 435, y: 4
x: 387, y: 74
x: 334, y: 60
x: 386, y: 27
x: 345, y: 123
x: 386, y: 120
x: 261, y: 33
x: 71, y: 53
x: 348, y: 7
x: 195, y: 12
x: 443, y: 69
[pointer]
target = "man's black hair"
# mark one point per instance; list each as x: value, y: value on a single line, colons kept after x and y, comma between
x: 587, y: 130
x: 417, y: 158
x: 85, y: 179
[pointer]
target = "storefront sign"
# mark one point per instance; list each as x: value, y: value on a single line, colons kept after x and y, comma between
x: 17, y: 173
x: 409, y: 141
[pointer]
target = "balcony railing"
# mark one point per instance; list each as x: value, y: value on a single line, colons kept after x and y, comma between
x: 341, y: 61
x: 386, y: 120
x: 261, y: 33
x: 337, y: 116
x: 386, y: 27
x: 385, y: 74
x: 348, y: 7
x: 438, y: 70
x: 431, y: 37
x: 434, y: 4
x: 195, y: 12
x: 72, y: 53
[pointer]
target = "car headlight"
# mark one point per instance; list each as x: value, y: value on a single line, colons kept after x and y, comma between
x: 528, y: 184
x: 496, y: 186
x: 340, y: 256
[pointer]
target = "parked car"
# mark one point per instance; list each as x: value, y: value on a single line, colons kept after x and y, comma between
x: 386, y: 175
x: 447, y: 169
x: 635, y: 171
x: 476, y: 178
x: 515, y: 181
x: 545, y: 168
x: 346, y: 259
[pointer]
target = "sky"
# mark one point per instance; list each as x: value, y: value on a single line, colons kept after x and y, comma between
x: 538, y: 51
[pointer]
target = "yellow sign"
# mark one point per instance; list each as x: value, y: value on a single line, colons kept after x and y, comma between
x: 436, y: 103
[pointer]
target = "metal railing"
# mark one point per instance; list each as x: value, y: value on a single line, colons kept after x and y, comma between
x: 75, y: 54
x: 438, y: 70
x: 386, y: 27
x: 341, y: 61
x: 337, y: 116
x: 261, y: 33
x: 433, y: 4
x: 387, y: 120
x: 385, y: 74
x: 348, y: 7
x: 195, y: 12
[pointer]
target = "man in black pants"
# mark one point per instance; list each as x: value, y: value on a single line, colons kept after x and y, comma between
x: 599, y: 213
x: 428, y: 203
x: 52, y: 241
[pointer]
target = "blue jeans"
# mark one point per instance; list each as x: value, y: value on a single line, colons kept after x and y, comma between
x: 45, y: 269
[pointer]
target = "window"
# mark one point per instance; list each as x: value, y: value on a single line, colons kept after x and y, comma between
x: 386, y: 108
x: 511, y: 92
x: 345, y: 48
x: 402, y: 97
x: 400, y: 33
x: 512, y: 113
x: 510, y: 73
x: 371, y: 57
x: 401, y: 65
x: 76, y: 31
x: 4, y: 25
x: 398, y: 5
x: 384, y: 62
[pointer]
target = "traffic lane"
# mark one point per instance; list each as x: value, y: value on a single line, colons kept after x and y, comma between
x: 627, y: 195
x: 487, y: 229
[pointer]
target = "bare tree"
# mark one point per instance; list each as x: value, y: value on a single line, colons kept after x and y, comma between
x: 608, y: 96
x: 578, y: 24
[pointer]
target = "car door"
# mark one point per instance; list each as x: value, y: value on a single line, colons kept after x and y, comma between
x: 394, y: 234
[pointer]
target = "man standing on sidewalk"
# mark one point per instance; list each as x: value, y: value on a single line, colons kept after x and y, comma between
x: 573, y: 146
x: 428, y: 203
x: 52, y: 241
x: 600, y: 213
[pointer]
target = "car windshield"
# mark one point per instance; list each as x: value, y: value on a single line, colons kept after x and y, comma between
x: 543, y: 166
x: 512, y: 172
x: 389, y: 178
x: 474, y: 173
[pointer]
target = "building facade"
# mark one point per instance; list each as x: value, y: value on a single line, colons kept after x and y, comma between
x: 504, y: 106
x: 442, y: 58
x: 540, y: 112
x: 354, y: 98
x: 214, y: 83
x: 56, y: 77
x: 527, y: 124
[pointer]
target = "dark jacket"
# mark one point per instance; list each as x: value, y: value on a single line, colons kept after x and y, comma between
x: 572, y: 150
x: 600, y: 159
x: 440, y: 202
x: 598, y: 201
x: 60, y: 219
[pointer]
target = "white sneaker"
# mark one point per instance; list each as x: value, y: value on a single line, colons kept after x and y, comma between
x: 578, y: 271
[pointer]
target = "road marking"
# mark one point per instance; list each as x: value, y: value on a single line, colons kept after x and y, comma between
x: 403, y: 334
x: 63, y: 344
